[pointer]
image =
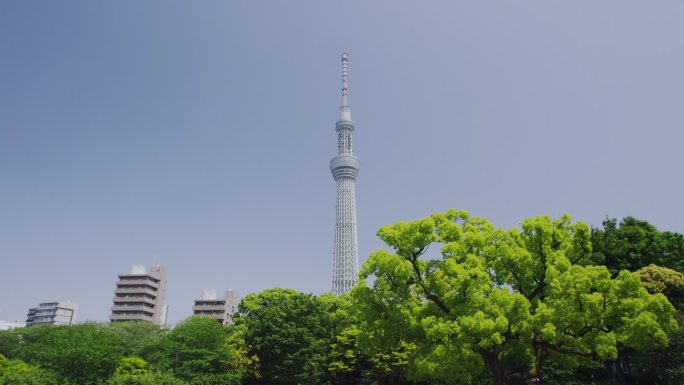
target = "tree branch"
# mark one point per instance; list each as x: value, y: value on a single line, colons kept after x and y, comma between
x: 542, y: 280
x: 560, y: 349
x: 429, y: 295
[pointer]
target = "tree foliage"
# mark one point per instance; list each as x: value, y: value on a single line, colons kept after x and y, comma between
x: 132, y: 366
x: 289, y: 332
x: 196, y: 350
x: 634, y: 243
x: 150, y: 378
x: 501, y: 299
x: 665, y: 365
x: 17, y: 372
x: 82, y: 354
x: 140, y: 338
x: 658, y: 279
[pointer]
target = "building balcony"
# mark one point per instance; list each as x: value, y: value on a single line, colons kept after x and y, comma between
x: 209, y: 308
x: 133, y: 308
x: 208, y: 315
x: 43, y: 320
x: 137, y: 283
x: 118, y: 300
x: 131, y: 317
x: 124, y: 290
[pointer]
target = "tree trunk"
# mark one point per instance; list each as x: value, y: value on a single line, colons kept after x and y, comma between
x: 617, y: 370
x: 538, y: 362
x: 492, y: 361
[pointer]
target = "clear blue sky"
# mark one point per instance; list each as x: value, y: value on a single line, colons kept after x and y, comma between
x: 198, y: 134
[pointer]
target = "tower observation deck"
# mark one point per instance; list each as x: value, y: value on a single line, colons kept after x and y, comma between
x: 345, y: 168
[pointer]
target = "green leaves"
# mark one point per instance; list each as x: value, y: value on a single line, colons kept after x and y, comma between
x: 657, y: 279
x: 290, y: 333
x: 82, y: 354
x: 133, y: 366
x: 409, y: 238
x: 633, y: 244
x: 131, y: 353
x: 499, y: 297
x: 195, y: 347
x: 17, y: 372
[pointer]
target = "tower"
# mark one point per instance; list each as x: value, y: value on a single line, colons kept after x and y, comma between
x: 345, y: 168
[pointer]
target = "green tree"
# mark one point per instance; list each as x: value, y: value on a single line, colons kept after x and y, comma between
x: 241, y: 362
x: 658, y: 279
x: 136, y: 371
x: 354, y: 359
x: 133, y: 366
x: 83, y: 354
x: 17, y: 372
x: 345, y: 356
x: 196, y: 348
x: 633, y: 244
x: 290, y: 333
x: 665, y: 365
x: 140, y: 338
x: 504, y: 300
x: 448, y: 307
x: 13, y: 342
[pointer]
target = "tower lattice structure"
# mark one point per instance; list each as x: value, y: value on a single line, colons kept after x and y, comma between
x: 345, y: 168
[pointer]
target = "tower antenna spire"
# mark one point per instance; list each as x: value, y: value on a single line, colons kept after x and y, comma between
x: 345, y: 110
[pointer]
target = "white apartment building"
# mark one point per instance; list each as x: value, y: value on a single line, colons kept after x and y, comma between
x: 56, y: 313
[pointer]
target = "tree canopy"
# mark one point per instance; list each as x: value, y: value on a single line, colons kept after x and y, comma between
x: 290, y: 333
x: 501, y: 299
x: 634, y: 243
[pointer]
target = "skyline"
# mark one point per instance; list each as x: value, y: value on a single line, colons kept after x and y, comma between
x: 135, y: 133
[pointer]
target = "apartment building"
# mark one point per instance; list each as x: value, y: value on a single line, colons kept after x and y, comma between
x: 56, y: 313
x: 220, y: 309
x: 141, y: 295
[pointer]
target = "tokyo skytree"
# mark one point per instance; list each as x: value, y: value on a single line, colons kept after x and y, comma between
x: 345, y: 168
